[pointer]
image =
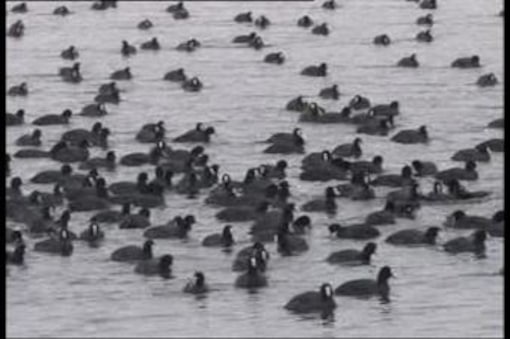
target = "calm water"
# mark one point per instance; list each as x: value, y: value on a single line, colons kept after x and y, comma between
x: 435, y: 294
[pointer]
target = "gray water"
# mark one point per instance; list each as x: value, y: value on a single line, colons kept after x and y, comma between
x: 434, y: 294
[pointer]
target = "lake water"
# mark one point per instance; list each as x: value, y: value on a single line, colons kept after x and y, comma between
x: 434, y: 294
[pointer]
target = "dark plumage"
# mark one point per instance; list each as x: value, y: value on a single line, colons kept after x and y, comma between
x: 467, y: 62
x: 133, y: 252
x: 224, y: 239
x: 358, y: 231
x: 411, y: 136
x: 315, y: 71
x: 353, y: 257
x: 413, y: 236
x: 367, y: 287
x: 313, y: 301
x: 474, y: 243
x: 253, y: 278
x: 197, y: 285
x: 409, y: 61
x: 54, y: 119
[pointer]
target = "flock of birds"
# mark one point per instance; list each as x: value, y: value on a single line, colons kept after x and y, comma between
x: 263, y: 196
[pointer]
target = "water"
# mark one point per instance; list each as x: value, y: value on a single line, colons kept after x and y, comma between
x: 434, y: 294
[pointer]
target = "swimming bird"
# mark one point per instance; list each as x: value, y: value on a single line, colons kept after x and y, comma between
x: 15, y: 119
x: 243, y: 17
x: 262, y: 22
x: 139, y: 158
x: 424, y: 168
x: 16, y: 30
x: 176, y: 228
x: 102, y: 5
x: 14, y: 191
x: 244, y: 38
x: 62, y: 245
x: 313, y: 301
x: 326, y: 204
x: 69, y: 53
x: 357, y: 231
x: 494, y: 144
x: 427, y: 20
x: 198, y: 285
x: 394, y: 180
x: 424, y: 36
x: 428, y: 4
x: 188, y: 46
x: 383, y: 40
x: 359, y: 102
x: 112, y: 216
x: 386, y: 216
x: 121, y: 74
x: 61, y: 10
x: 497, y: 123
x: 352, y: 256
x: 374, y: 127
x: 478, y: 153
x: 459, y: 219
x: 93, y: 234
x: 70, y: 153
x: 330, y: 92
x: 54, y: 119
x: 386, y: 110
x: 19, y: 8
x: 156, y: 266
x: 288, y: 243
x: 93, y: 110
x: 198, y: 134
x: 133, y: 252
x: 152, y: 44
x: 315, y: 71
x: 329, y: 4
x: 18, y: 90
x: 127, y: 49
x: 139, y: 220
x: 287, y: 147
x: 297, y: 104
x: 305, y: 21
x: 31, y: 153
x: 409, y: 61
x: 32, y: 139
x: 412, y: 236
x: 466, y: 62
x: 176, y: 7
x: 223, y: 239
x: 367, y: 287
x: 321, y: 29
x: 145, y: 24
x: 16, y: 257
x: 71, y: 74
x: 192, y: 85
x: 349, y: 150
x: 487, y: 80
x: 112, y: 97
x: 411, y: 136
x: 177, y: 75
x: 458, y: 191
x: 474, y: 243
x: 374, y: 166
x: 253, y: 278
x: 274, y: 58
x: 107, y: 162
x: 242, y: 213
x: 180, y: 14
x: 467, y: 173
